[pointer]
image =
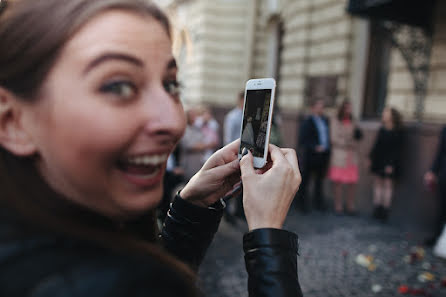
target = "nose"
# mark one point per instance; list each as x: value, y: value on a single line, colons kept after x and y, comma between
x: 164, y: 115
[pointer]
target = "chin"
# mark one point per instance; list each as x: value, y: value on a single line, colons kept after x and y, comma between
x: 145, y: 202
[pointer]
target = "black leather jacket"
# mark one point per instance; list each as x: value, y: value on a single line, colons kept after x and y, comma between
x: 42, y: 264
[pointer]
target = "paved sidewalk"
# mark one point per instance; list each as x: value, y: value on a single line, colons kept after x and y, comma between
x: 339, y: 256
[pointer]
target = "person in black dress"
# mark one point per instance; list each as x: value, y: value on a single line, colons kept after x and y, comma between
x: 385, y: 161
x: 437, y: 175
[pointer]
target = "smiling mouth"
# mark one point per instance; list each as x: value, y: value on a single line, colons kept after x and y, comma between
x: 143, y: 170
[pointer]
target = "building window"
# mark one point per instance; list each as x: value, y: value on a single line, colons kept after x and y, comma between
x: 275, y: 31
x: 377, y: 72
x: 321, y: 88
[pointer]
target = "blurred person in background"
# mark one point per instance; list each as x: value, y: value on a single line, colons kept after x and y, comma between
x: 210, y: 127
x: 314, y: 143
x: 437, y: 176
x: 233, y: 121
x: 193, y: 145
x: 89, y: 112
x: 384, y: 161
x: 344, y: 158
x: 231, y: 131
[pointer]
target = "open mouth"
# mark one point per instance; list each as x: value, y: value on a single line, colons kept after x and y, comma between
x: 143, y: 170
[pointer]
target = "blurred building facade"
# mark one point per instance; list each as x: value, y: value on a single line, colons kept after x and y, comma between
x: 317, y: 49
x: 312, y: 47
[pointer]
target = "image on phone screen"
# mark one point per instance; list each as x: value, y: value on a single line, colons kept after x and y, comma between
x: 255, y: 121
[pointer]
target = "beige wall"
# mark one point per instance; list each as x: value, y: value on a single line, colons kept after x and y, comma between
x: 188, y: 24
x: 214, y: 62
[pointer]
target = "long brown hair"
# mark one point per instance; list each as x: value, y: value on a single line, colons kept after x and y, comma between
x: 33, y: 34
x: 341, y: 110
x: 397, y: 119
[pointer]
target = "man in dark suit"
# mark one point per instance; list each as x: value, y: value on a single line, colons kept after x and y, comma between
x: 437, y: 175
x: 314, y: 145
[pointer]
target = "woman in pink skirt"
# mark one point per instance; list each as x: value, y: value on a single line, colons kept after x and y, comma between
x: 344, y: 160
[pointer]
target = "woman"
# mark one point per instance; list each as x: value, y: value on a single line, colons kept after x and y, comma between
x: 344, y: 159
x: 385, y: 161
x: 193, y: 145
x: 89, y: 112
x: 210, y: 128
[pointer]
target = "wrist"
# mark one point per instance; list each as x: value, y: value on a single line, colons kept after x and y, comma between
x: 190, y: 197
x: 264, y: 225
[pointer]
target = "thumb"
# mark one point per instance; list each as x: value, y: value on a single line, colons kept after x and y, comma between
x: 246, y: 164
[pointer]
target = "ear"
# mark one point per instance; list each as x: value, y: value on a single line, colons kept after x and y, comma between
x: 13, y: 135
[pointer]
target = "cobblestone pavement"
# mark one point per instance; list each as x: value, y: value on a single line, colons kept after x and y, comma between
x: 328, y: 262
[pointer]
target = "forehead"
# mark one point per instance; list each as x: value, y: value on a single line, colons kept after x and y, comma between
x: 116, y: 30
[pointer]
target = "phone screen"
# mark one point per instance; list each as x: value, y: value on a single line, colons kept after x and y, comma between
x: 255, y: 121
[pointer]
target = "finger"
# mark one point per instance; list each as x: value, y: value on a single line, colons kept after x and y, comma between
x: 223, y: 171
x: 276, y: 154
x: 230, y: 151
x: 246, y: 164
x: 291, y: 157
x: 223, y: 156
x: 232, y: 147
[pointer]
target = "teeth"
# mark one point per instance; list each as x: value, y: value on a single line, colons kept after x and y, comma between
x: 153, y: 160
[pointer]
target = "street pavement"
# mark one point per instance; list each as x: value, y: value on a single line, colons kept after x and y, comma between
x: 339, y: 256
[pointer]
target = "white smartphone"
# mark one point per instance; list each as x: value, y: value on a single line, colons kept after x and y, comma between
x: 257, y: 116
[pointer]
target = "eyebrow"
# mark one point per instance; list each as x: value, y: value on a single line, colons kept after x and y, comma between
x: 113, y: 56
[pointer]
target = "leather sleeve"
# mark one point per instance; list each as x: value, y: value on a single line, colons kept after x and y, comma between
x: 188, y: 230
x: 271, y: 262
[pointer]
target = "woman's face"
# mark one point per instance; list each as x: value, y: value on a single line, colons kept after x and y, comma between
x: 109, y: 115
x: 387, y: 116
x: 347, y: 109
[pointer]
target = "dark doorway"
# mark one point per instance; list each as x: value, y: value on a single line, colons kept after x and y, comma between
x: 275, y: 31
x: 377, y: 70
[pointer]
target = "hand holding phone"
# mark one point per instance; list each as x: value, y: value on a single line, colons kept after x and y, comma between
x: 267, y: 196
x: 217, y: 177
x: 257, y: 118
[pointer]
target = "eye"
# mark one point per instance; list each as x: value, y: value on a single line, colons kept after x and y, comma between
x: 173, y: 87
x: 123, y: 89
